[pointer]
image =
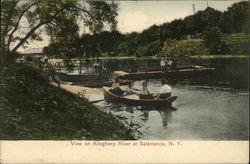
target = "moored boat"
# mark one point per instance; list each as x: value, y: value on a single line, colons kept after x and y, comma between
x: 134, y: 100
x: 155, y: 74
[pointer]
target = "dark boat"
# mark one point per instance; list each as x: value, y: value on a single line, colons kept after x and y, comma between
x: 155, y: 74
x: 136, y: 101
x: 83, y: 77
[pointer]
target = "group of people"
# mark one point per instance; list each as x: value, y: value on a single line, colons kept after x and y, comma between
x: 168, y: 65
x: 165, y: 90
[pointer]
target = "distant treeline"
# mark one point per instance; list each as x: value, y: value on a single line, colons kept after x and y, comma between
x: 205, y: 32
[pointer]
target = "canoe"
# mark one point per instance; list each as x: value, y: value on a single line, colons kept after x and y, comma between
x: 134, y: 100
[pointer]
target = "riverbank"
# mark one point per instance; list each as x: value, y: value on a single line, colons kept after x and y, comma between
x: 55, y: 60
x: 31, y: 108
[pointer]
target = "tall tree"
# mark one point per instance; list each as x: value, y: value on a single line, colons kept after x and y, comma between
x: 213, y: 41
x: 236, y: 18
x: 60, y: 19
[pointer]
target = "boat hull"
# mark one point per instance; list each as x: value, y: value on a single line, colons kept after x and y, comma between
x: 138, y: 102
x: 182, y: 71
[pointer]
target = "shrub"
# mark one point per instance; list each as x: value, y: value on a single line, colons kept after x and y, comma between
x: 182, y: 48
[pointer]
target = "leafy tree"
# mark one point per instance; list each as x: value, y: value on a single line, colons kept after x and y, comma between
x: 236, y: 18
x: 213, y: 41
x: 150, y: 49
x: 58, y: 18
x: 129, y: 46
x: 209, y: 18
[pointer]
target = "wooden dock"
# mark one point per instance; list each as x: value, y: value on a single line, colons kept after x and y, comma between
x: 181, y: 71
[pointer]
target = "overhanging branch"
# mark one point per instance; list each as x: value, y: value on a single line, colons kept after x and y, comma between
x: 17, y: 24
x: 43, y: 22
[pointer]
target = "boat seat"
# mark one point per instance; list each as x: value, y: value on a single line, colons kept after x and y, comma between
x: 148, y: 96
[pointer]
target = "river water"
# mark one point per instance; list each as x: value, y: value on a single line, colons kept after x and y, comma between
x: 208, y: 107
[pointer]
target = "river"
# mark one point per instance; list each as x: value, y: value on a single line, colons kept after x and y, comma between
x: 208, y: 107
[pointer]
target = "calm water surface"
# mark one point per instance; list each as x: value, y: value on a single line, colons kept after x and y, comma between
x: 203, y: 111
x: 200, y: 114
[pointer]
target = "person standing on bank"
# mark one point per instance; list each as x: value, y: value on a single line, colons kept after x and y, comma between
x: 97, y: 65
x: 165, y: 91
x: 51, y: 70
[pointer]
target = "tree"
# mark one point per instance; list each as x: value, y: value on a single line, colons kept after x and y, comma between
x: 213, y: 41
x: 236, y: 18
x: 129, y: 46
x: 59, y: 19
x: 150, y: 49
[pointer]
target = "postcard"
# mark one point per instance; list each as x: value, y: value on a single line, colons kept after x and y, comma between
x: 124, y: 81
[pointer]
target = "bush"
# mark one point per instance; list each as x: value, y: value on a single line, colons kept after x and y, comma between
x: 238, y: 43
x: 182, y: 48
x: 150, y: 49
x: 213, y: 41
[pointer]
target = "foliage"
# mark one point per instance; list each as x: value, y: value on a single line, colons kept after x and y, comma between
x: 213, y: 41
x: 236, y: 18
x: 238, y: 43
x: 59, y: 19
x: 150, y: 49
x: 129, y: 45
x: 182, y: 48
x: 87, y: 45
x: 31, y: 108
x: 191, y: 27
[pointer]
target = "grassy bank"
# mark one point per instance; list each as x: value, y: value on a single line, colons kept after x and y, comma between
x: 31, y: 108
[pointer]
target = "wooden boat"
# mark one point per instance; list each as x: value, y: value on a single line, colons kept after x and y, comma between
x: 155, y: 74
x: 135, y: 101
x: 77, y: 78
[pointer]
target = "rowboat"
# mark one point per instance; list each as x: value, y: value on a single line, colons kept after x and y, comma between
x: 134, y: 100
x: 155, y: 74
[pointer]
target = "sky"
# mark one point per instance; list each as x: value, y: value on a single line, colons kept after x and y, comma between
x: 139, y: 15
x: 135, y: 16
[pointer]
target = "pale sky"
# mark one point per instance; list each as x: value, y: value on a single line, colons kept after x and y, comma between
x: 139, y: 15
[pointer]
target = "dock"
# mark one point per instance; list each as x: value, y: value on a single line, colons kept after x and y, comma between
x: 181, y: 71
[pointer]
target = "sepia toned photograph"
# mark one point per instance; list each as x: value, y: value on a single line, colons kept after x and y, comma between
x: 134, y: 72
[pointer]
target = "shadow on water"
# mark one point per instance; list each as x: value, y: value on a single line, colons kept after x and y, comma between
x: 165, y: 113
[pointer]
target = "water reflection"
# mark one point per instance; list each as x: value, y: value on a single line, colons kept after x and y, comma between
x: 165, y: 114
